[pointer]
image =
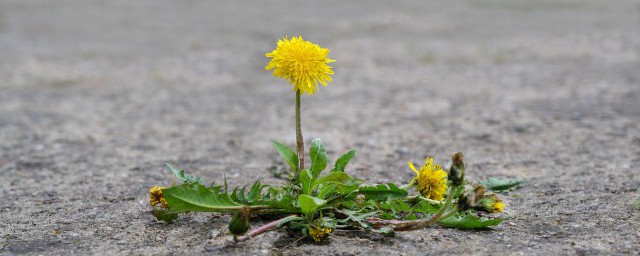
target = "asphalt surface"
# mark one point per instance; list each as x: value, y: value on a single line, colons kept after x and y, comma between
x: 96, y: 95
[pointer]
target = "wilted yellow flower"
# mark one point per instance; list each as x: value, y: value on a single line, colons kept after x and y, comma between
x: 498, y: 206
x: 318, y: 233
x: 302, y: 63
x: 156, y: 196
x: 431, y: 180
x: 490, y: 203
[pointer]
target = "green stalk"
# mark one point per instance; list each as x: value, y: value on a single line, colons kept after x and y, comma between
x: 299, y: 140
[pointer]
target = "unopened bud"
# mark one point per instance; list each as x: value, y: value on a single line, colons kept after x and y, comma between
x: 360, y: 199
x: 455, y: 169
x: 240, y: 222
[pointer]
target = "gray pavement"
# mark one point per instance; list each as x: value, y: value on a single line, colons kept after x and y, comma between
x: 96, y: 95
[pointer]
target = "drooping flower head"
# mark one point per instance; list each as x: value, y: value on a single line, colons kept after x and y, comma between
x: 490, y: 203
x: 302, y: 63
x: 431, y: 180
x: 156, y: 196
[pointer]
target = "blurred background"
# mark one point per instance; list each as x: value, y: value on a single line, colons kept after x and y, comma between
x: 96, y: 95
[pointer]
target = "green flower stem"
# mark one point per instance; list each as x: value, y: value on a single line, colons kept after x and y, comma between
x: 299, y: 140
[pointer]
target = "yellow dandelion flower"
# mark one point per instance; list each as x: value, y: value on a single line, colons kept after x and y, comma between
x: 302, y: 63
x: 318, y: 233
x: 431, y: 180
x: 498, y: 206
x: 156, y: 196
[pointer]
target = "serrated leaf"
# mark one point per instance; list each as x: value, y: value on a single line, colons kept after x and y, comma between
x: 198, y: 198
x: 395, y: 205
x: 279, y: 198
x: 318, y: 156
x: 343, y: 160
x: 309, y: 204
x: 358, y: 217
x: 186, y: 178
x: 503, y: 184
x: 288, y: 155
x: 469, y: 221
x: 382, y: 191
x: 255, y: 191
x: 240, y: 195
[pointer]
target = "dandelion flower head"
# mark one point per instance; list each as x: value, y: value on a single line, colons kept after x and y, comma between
x: 318, y: 233
x: 302, y: 63
x: 498, y: 206
x: 430, y: 180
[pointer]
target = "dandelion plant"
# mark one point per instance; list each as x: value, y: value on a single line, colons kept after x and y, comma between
x: 322, y: 198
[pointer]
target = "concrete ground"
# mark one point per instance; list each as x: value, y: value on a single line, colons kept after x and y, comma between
x: 96, y: 95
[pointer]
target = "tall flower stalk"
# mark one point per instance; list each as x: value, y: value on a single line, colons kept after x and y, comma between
x: 299, y: 138
x: 304, y: 65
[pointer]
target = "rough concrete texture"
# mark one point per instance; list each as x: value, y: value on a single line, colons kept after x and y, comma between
x: 96, y: 95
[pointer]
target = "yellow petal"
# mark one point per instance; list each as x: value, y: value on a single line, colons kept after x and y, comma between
x: 413, y: 167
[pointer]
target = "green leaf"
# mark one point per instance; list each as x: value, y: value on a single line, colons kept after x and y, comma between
x: 318, y: 157
x: 306, y: 179
x: 163, y: 215
x: 309, y: 204
x: 255, y: 191
x: 358, y: 217
x: 382, y: 191
x: 198, y: 198
x: 280, y: 199
x: 503, y: 184
x: 288, y: 219
x: 425, y: 207
x: 411, y: 217
x: 395, y: 205
x: 339, y: 177
x: 343, y: 160
x: 327, y: 190
x: 469, y: 221
x: 186, y: 178
x: 288, y: 155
